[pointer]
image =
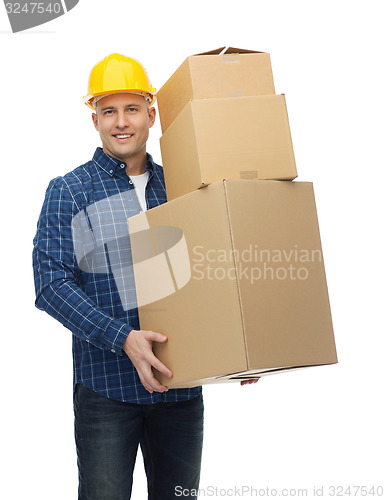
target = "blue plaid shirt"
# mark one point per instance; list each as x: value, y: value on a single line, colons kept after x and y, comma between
x: 88, y: 303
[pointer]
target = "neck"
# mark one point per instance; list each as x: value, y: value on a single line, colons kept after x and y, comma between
x: 136, y: 165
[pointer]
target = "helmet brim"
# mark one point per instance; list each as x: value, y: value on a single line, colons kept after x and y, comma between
x: 88, y: 99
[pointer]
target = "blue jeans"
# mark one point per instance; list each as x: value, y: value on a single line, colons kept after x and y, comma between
x: 108, y: 433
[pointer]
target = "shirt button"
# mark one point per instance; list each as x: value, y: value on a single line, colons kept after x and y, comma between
x: 87, y: 341
x: 122, y: 165
x: 111, y: 171
x: 130, y: 181
x: 113, y: 350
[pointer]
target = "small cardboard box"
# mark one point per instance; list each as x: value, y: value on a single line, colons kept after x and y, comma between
x: 219, y: 73
x: 227, y: 138
x: 233, y: 274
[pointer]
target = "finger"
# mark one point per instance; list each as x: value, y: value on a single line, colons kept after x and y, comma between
x: 151, y: 384
x: 147, y: 378
x: 157, y: 387
x: 251, y: 381
x: 158, y: 365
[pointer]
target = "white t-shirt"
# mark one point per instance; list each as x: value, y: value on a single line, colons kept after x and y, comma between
x: 140, y: 183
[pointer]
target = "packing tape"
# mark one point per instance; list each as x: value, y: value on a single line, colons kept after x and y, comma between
x: 231, y: 58
x: 248, y: 174
x: 238, y: 93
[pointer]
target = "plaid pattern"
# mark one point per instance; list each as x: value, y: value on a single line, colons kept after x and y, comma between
x: 88, y: 303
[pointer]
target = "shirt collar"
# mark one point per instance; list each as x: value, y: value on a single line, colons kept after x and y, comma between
x: 113, y: 165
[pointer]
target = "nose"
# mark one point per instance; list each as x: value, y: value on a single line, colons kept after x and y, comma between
x: 122, y: 119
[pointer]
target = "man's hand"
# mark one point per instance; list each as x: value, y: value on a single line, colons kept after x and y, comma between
x: 250, y: 381
x: 138, y: 347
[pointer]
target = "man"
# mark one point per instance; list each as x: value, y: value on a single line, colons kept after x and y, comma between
x: 118, y: 403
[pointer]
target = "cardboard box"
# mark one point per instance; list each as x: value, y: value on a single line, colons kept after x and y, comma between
x: 233, y: 274
x: 223, y: 72
x: 227, y: 138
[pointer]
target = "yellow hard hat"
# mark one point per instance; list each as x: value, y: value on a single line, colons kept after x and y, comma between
x: 118, y: 74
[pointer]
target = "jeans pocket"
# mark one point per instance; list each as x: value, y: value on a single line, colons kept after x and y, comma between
x: 76, y: 399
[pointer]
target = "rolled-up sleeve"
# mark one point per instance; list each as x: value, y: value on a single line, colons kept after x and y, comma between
x: 56, y: 275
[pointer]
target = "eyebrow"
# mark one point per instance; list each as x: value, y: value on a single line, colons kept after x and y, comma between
x: 126, y: 106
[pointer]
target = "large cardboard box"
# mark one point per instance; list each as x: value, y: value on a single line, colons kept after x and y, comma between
x: 233, y: 274
x: 227, y: 138
x: 224, y: 72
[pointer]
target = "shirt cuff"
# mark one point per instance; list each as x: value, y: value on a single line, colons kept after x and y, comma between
x: 116, y: 335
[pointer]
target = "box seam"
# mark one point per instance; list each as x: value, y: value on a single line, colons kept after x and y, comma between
x: 291, y: 138
x: 196, y: 142
x: 236, y: 274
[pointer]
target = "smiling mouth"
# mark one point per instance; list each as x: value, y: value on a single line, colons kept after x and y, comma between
x: 123, y: 136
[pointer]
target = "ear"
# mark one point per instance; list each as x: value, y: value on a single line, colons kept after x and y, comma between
x: 151, y: 116
x: 95, y: 121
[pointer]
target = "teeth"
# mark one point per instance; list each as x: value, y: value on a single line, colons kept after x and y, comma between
x: 123, y: 136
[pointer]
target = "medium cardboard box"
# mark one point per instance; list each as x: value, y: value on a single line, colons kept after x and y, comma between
x: 219, y: 73
x: 227, y: 138
x: 233, y: 274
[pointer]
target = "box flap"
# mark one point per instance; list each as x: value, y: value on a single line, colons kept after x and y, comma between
x: 211, y: 52
x: 228, y: 50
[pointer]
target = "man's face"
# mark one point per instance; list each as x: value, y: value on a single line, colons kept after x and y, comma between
x: 123, y: 122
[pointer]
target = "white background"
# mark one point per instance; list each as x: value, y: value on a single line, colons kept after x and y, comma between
x: 317, y: 427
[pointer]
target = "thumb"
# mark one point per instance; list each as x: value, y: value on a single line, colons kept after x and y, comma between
x: 156, y: 337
